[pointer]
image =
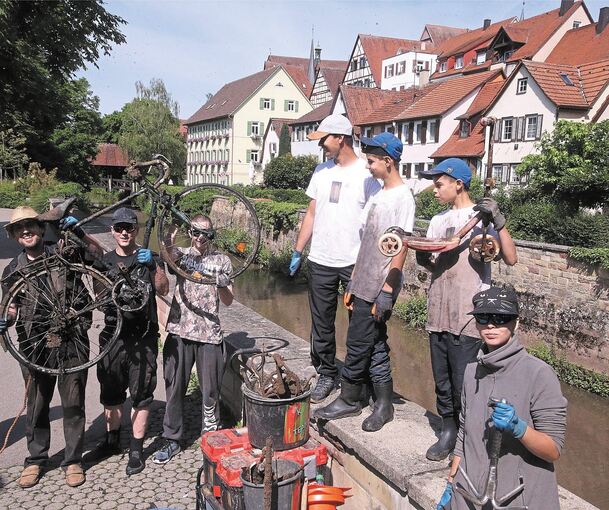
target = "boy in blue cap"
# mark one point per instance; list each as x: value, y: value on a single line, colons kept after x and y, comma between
x: 375, y: 284
x: 455, y: 278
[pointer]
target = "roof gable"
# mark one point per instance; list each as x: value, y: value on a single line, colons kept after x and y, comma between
x: 110, y: 154
x: 437, y: 34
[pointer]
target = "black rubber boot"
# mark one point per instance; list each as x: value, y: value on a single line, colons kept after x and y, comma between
x: 446, y: 442
x: 346, y: 404
x: 383, y: 408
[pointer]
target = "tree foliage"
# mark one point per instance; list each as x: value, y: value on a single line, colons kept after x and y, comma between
x: 573, y: 165
x: 13, y: 158
x: 111, y: 127
x: 42, y: 45
x: 285, y: 142
x: 288, y: 172
x: 149, y: 125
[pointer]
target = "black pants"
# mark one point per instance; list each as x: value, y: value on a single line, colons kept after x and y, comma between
x: 38, y: 426
x: 449, y: 356
x: 367, y: 348
x: 179, y: 356
x: 323, y: 298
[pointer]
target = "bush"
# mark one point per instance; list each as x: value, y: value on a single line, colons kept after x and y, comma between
x: 295, y: 196
x: 593, y: 256
x: 288, y: 172
x: 413, y: 310
x: 277, y: 216
x: 11, y: 197
x: 101, y: 197
x: 39, y: 200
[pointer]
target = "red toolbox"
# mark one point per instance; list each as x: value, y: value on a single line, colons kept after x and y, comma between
x: 228, y: 471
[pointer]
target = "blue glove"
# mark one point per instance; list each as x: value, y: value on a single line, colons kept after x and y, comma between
x: 3, y: 326
x: 68, y: 223
x: 446, y: 497
x: 505, y: 419
x: 295, y: 262
x: 144, y: 257
x: 383, y: 306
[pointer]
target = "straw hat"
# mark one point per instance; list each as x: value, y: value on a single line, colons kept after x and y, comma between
x: 23, y: 212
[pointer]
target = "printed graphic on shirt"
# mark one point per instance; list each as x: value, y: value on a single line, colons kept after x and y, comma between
x: 335, y: 192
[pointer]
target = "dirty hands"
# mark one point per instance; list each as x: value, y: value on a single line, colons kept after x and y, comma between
x: 144, y: 257
x: 489, y: 206
x: 295, y: 262
x: 446, y: 497
x: 383, y: 304
x: 68, y: 223
x: 505, y: 419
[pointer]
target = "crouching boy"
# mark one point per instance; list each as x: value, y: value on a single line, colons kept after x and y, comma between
x: 529, y: 409
x: 375, y: 284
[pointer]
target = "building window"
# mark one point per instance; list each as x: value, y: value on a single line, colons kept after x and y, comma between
x: 265, y: 104
x: 577, y: 24
x: 291, y: 105
x: 362, y: 62
x: 368, y: 132
x: 389, y: 128
x: 389, y: 71
x: 401, y: 67
x: 417, y: 133
x: 419, y: 66
x: 418, y: 167
x: 255, y: 129
x: 458, y: 61
x: 367, y: 83
x: 252, y: 155
x: 406, y: 170
x: 464, y: 128
x: 500, y: 173
x: 443, y: 66
x: 354, y: 65
x: 522, y: 85
x: 530, y: 128
x: 506, y: 132
x: 432, y: 131
x: 480, y: 57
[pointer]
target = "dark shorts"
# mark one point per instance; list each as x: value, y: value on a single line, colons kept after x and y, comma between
x: 130, y: 364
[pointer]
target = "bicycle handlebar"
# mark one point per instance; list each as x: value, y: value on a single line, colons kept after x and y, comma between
x: 158, y: 161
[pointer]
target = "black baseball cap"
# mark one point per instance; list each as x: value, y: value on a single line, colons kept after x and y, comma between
x: 495, y: 300
x: 124, y: 215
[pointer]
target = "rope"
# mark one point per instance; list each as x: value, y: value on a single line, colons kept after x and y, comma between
x: 10, y: 429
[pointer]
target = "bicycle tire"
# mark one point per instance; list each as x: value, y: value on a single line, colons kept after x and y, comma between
x: 196, y: 199
x: 69, y: 317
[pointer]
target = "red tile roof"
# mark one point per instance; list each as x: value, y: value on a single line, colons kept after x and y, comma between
x: 395, y: 102
x: 471, y: 39
x: 361, y: 102
x: 316, y: 115
x: 274, y: 60
x: 446, y: 95
x: 277, y: 125
x: 440, y: 33
x: 110, y: 154
x: 378, y: 48
x: 485, y: 97
x: 299, y: 75
x: 228, y: 99
x: 548, y: 77
x: 333, y: 77
x: 595, y: 77
x: 581, y: 45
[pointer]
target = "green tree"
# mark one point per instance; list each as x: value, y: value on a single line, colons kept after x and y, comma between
x: 150, y: 125
x: 111, y: 127
x: 288, y: 172
x: 13, y: 158
x: 42, y: 45
x: 285, y: 142
x: 572, y: 167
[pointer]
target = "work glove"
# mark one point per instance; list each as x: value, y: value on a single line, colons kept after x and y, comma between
x: 222, y: 280
x: 144, y: 257
x: 68, y: 223
x: 505, y: 419
x: 3, y: 326
x: 423, y: 258
x: 446, y: 497
x: 295, y: 262
x: 490, y: 207
x: 383, y: 304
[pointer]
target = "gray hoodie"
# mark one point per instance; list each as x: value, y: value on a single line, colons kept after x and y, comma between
x: 532, y: 387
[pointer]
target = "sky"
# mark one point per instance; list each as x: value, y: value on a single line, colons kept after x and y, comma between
x: 196, y: 46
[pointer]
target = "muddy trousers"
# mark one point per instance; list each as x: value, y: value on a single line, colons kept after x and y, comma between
x: 38, y: 425
x: 449, y: 356
x: 367, y: 349
x: 323, y: 299
x: 179, y: 356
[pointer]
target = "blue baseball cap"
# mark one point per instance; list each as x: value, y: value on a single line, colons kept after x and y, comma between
x: 388, y: 142
x: 453, y: 167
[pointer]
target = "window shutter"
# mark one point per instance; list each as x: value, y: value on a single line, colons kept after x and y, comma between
x: 272, y: 104
x: 437, y: 130
x: 514, y: 129
x: 408, y: 170
x: 424, y: 131
x: 539, y: 122
x: 249, y: 128
x: 261, y: 129
x: 248, y: 155
x: 285, y: 105
x: 497, y: 130
x: 518, y: 125
x: 410, y: 132
x: 296, y: 106
x: 523, y: 127
x: 262, y: 103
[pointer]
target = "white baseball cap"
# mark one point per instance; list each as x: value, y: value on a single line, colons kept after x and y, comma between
x: 335, y: 124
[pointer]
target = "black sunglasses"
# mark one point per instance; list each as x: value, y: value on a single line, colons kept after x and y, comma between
x: 493, y: 318
x: 207, y: 232
x: 127, y: 227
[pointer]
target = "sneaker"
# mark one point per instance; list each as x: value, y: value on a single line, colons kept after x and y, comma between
x: 323, y: 388
x: 136, y: 463
x: 166, y: 452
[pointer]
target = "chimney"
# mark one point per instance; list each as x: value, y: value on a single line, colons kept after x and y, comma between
x: 603, y: 19
x: 565, y: 5
x: 487, y: 23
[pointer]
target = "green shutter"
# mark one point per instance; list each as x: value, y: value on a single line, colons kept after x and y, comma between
x: 261, y: 129
x: 296, y: 106
x: 248, y: 156
x: 249, y: 128
x: 262, y: 103
x: 285, y: 105
x: 272, y: 104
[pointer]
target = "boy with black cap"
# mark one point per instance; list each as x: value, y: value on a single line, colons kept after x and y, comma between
x: 517, y: 394
x: 131, y: 362
x: 375, y: 284
x: 455, y: 278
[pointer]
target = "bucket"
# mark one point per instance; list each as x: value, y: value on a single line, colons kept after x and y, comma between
x: 285, y: 420
x: 285, y: 495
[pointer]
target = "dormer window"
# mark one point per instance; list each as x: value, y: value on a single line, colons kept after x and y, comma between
x: 480, y: 57
x: 464, y: 129
x: 577, y: 24
x: 458, y: 61
x: 443, y: 66
x: 566, y: 79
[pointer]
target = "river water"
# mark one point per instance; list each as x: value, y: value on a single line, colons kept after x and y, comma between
x: 584, y: 466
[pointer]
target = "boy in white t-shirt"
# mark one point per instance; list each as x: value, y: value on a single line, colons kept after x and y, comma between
x: 375, y: 284
x: 339, y: 190
x: 455, y: 278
